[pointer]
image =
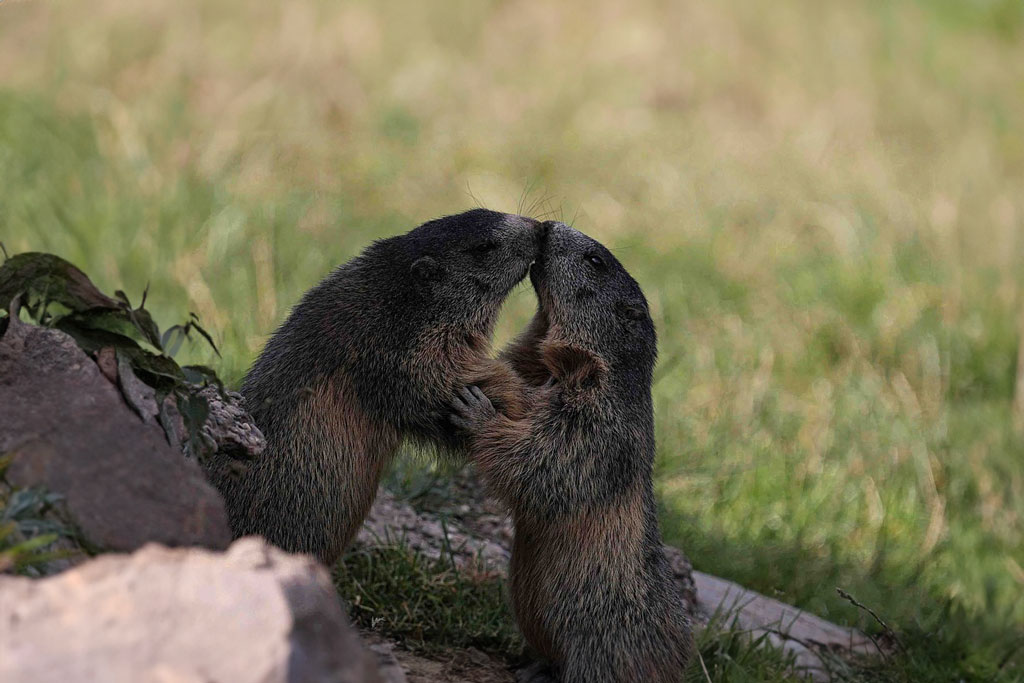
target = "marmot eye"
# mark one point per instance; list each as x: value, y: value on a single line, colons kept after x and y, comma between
x: 595, y: 260
x: 630, y: 311
x: 634, y: 313
x: 483, y: 247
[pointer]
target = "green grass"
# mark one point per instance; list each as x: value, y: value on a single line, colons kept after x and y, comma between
x: 429, y: 608
x: 29, y: 528
x: 821, y: 200
x: 427, y: 604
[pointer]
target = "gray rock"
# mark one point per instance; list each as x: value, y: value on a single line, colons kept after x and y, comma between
x: 387, y: 663
x: 229, y: 428
x: 682, y: 572
x: 433, y: 535
x: 251, y: 615
x: 812, y: 640
x: 69, y: 429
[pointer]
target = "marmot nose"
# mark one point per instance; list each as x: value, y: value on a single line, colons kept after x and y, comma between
x: 543, y: 229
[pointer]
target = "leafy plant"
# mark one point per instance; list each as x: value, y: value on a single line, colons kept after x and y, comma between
x: 28, y: 527
x: 54, y: 293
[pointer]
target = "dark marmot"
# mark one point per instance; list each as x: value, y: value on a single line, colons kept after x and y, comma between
x: 591, y: 588
x: 370, y: 356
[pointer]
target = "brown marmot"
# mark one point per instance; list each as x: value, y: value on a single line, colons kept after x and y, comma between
x: 370, y: 356
x: 591, y: 588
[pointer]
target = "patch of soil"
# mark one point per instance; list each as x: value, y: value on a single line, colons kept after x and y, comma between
x: 398, y: 665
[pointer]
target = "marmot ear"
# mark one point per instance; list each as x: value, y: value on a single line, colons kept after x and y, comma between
x: 426, y: 268
x: 573, y: 366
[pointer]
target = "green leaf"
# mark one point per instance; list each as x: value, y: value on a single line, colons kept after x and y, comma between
x: 194, y: 322
x: 201, y: 374
x: 172, y: 339
x: 159, y: 372
x: 92, y: 339
x: 114, y: 321
x: 143, y: 322
x: 48, y: 277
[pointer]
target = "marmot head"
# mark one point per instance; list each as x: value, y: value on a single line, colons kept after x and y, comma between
x: 469, y: 262
x: 599, y: 325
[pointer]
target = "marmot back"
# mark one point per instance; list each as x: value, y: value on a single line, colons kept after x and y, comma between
x: 367, y: 358
x: 592, y: 590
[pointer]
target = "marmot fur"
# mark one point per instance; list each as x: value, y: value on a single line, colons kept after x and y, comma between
x: 591, y: 588
x: 371, y: 356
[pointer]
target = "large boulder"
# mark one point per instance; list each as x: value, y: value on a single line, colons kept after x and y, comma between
x: 69, y: 429
x: 251, y: 615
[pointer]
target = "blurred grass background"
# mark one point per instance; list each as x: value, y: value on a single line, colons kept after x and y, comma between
x: 822, y: 201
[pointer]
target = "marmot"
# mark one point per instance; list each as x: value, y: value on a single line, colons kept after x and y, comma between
x: 591, y: 588
x: 368, y: 357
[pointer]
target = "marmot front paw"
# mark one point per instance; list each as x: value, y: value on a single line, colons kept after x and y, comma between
x: 471, y: 409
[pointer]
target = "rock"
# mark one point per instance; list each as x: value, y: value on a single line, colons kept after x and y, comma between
x: 391, y: 521
x: 251, y: 615
x: 229, y: 435
x: 387, y: 663
x: 139, y: 395
x: 229, y: 427
x: 682, y: 572
x: 70, y: 430
x: 810, y: 638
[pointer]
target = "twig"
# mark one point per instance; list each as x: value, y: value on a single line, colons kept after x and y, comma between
x: 823, y: 651
x: 885, y: 627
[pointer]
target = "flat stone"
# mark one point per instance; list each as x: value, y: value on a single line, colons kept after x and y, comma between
x: 391, y: 522
x: 805, y: 635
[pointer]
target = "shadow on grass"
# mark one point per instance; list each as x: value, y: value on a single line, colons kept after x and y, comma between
x: 936, y: 638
